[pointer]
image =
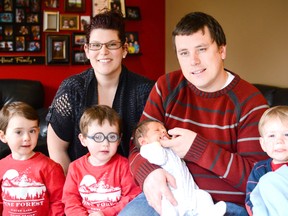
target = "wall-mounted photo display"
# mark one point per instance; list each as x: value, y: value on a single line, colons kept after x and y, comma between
x: 133, y: 13
x: 79, y: 58
x: 57, y: 49
x: 75, y: 5
x: 69, y: 22
x: 100, y: 5
x: 51, y: 3
x: 78, y: 39
x: 132, y: 40
x: 51, y: 21
x: 20, y: 25
x: 84, y: 22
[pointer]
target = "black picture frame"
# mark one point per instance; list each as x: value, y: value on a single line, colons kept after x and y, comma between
x: 133, y: 45
x: 79, y: 58
x: 75, y: 6
x: 133, y: 13
x: 20, y: 25
x: 57, y: 49
x: 78, y: 39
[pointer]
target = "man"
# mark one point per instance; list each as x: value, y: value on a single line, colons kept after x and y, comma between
x: 212, y: 116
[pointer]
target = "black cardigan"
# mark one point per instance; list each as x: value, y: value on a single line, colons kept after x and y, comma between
x: 78, y: 92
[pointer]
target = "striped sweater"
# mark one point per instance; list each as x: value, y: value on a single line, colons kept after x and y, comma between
x: 260, y: 169
x: 226, y: 122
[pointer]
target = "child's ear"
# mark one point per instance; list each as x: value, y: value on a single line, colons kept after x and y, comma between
x: 82, y: 139
x: 262, y: 143
x: 2, y: 136
x: 142, y: 141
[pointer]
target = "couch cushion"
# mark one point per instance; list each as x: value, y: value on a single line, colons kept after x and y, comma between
x: 274, y: 95
x: 29, y: 91
x: 267, y: 91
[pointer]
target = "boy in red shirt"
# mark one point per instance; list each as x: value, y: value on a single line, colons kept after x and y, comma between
x: 31, y: 183
x: 99, y: 183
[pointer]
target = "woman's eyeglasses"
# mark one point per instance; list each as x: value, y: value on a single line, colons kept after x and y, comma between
x: 112, y: 45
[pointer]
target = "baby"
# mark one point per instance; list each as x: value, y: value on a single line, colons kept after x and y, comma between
x: 191, y: 200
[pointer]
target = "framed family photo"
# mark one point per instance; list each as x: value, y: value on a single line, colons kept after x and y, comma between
x: 57, y: 51
x: 100, y: 5
x: 20, y: 25
x: 74, y: 5
x: 69, y: 22
x: 133, y: 13
x: 132, y: 40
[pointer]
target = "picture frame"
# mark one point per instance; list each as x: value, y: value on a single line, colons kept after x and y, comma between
x: 79, y: 58
x: 57, y: 49
x: 51, y: 21
x: 8, y: 5
x: 74, y: 6
x: 69, y: 22
x: 78, y: 39
x: 21, y: 25
x: 133, y: 13
x: 84, y: 22
x: 100, y: 5
x: 51, y: 3
x: 132, y: 39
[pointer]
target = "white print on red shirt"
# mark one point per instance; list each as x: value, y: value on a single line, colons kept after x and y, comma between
x: 21, y: 193
x: 98, y: 193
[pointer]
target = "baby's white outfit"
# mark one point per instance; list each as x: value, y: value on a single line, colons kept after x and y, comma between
x: 191, y: 200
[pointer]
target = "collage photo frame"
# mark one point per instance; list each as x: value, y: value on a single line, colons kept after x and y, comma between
x: 20, y: 26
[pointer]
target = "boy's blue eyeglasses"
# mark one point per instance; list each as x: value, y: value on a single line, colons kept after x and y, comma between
x: 100, y: 137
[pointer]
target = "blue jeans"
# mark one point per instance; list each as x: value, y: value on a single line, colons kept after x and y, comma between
x: 235, y: 210
x: 139, y: 206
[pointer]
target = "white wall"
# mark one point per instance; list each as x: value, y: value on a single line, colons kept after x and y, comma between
x: 256, y: 33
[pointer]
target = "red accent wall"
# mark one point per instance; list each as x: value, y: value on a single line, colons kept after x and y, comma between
x: 151, y: 63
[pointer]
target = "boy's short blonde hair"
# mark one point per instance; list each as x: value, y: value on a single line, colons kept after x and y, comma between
x: 99, y: 113
x: 280, y: 112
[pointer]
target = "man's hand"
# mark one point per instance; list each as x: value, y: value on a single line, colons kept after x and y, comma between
x: 156, y: 185
x: 180, y: 142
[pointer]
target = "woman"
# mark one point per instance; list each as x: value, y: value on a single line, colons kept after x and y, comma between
x: 107, y: 82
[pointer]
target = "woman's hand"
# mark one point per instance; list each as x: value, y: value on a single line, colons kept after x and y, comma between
x: 156, y: 185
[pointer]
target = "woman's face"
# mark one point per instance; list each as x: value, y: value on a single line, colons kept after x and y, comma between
x: 104, y: 61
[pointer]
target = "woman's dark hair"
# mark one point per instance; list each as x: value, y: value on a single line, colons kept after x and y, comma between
x: 195, y: 21
x: 111, y: 20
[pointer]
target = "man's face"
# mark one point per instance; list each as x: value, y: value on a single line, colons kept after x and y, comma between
x: 201, y: 60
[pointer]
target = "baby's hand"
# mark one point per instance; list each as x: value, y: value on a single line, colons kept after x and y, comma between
x: 99, y: 213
